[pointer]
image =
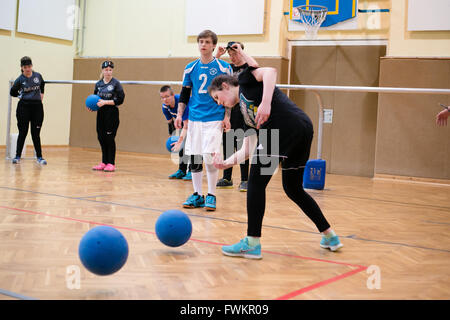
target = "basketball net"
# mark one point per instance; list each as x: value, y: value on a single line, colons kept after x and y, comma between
x: 312, y: 17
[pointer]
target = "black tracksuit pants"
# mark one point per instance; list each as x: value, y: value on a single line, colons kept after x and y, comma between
x: 107, y: 125
x: 29, y: 112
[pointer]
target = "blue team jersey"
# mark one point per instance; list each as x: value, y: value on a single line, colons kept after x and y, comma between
x: 199, y: 76
x: 171, y: 113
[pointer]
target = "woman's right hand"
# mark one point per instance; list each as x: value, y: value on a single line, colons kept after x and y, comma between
x: 237, y: 48
x: 218, y: 162
x: 263, y: 114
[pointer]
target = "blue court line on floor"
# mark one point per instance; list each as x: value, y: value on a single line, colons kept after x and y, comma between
x: 150, y: 209
x: 435, y: 222
x: 82, y: 198
x: 15, y: 295
x: 320, y: 193
x: 411, y: 204
x: 354, y: 237
x: 88, y: 197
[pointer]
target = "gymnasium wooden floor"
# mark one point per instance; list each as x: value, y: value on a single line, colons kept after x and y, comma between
x: 401, y: 228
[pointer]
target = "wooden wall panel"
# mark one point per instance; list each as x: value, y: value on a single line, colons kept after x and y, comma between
x: 315, y: 66
x: 409, y: 143
x: 355, y: 114
x: 142, y: 127
x: 348, y: 143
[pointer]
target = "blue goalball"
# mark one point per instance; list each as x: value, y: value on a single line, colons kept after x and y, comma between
x: 103, y: 250
x: 91, y: 102
x: 173, y: 228
x: 171, y: 140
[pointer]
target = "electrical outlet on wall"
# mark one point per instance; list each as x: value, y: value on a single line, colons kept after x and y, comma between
x: 327, y: 115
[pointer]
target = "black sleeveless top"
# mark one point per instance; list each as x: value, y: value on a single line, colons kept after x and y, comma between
x: 285, y: 116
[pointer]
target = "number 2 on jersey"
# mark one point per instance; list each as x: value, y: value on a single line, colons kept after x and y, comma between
x: 203, y: 77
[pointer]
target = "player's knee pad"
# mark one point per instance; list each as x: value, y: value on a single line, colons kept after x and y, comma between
x: 196, y: 167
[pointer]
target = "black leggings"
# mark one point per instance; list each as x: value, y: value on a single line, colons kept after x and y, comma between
x: 29, y: 112
x: 107, y: 125
x: 293, y: 187
x: 227, y: 173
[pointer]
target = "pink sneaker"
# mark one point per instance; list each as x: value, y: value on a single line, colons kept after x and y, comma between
x: 110, y: 168
x: 99, y: 167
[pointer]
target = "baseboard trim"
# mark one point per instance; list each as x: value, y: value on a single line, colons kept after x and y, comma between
x: 407, y: 179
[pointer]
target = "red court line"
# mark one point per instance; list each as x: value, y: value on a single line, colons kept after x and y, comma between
x: 192, y: 239
x: 100, y: 224
x: 284, y: 297
x: 314, y: 259
x: 320, y: 284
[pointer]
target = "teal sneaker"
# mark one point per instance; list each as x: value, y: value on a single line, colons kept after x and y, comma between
x: 194, y: 201
x: 177, y: 175
x: 332, y: 243
x: 242, y: 249
x: 41, y: 161
x: 188, y: 176
x: 210, y: 203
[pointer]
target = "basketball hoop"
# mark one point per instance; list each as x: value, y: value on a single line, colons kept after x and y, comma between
x: 312, y: 17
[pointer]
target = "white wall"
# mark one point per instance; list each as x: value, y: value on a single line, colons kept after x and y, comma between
x: 157, y: 29
x: 403, y: 43
x: 54, y: 60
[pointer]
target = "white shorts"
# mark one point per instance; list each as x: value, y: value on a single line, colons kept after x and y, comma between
x: 203, y: 137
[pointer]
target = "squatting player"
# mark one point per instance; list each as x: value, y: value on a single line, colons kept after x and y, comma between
x: 169, y: 109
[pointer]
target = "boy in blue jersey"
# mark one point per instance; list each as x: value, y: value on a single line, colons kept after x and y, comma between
x: 169, y: 109
x: 207, y: 119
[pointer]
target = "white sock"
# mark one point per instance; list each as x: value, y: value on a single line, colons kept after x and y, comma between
x: 197, y: 181
x: 253, y: 241
x: 212, y: 173
x: 329, y: 234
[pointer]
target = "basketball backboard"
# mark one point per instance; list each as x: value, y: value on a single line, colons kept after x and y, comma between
x: 341, y: 14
